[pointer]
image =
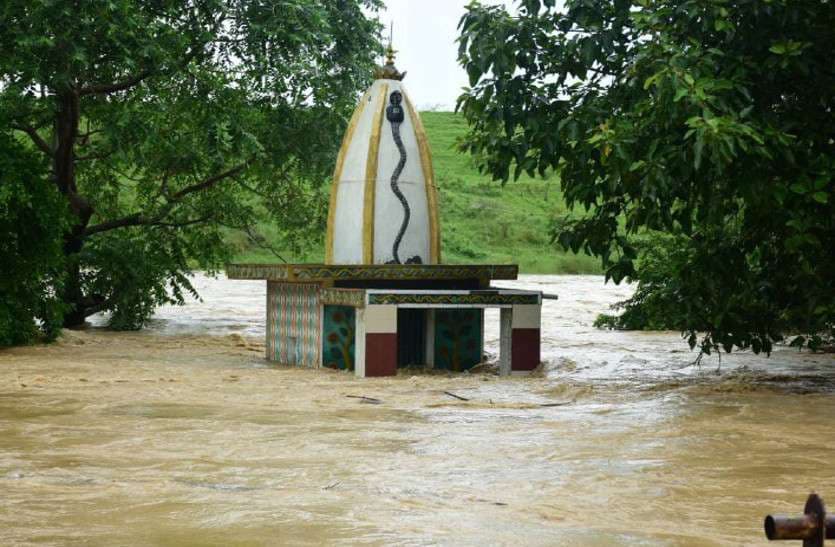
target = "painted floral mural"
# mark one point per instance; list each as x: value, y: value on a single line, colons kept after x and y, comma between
x: 338, y: 340
x: 458, y: 339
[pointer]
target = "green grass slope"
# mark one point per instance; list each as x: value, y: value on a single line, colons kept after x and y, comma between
x: 482, y: 222
x: 485, y: 222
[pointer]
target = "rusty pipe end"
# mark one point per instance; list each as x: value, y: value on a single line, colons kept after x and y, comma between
x: 812, y: 525
x: 770, y: 527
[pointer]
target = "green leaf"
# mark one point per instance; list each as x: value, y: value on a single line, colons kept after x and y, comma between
x: 821, y: 197
x: 796, y: 224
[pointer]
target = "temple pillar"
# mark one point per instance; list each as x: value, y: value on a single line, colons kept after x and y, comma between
x: 376, y: 343
x: 525, y: 337
x: 430, y: 339
x: 505, y: 341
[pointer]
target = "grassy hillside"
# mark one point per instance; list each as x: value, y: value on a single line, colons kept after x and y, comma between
x: 482, y: 221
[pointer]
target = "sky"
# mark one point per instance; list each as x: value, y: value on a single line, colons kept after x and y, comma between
x: 424, y: 37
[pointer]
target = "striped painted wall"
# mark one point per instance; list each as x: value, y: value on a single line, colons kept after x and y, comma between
x: 293, y: 333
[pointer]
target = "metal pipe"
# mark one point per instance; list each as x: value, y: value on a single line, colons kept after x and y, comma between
x: 785, y: 527
x: 812, y: 527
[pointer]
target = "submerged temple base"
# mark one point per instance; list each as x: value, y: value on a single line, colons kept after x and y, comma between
x: 374, y: 319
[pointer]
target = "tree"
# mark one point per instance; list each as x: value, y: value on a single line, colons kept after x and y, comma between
x: 33, y: 218
x: 709, y: 121
x: 167, y: 124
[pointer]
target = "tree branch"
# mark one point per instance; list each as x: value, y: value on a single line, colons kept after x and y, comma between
x: 211, y: 181
x: 189, y: 222
x: 136, y: 79
x: 36, y: 138
x: 84, y: 138
x: 136, y: 219
x: 95, y: 156
x: 257, y: 239
x: 116, y: 86
x: 139, y: 219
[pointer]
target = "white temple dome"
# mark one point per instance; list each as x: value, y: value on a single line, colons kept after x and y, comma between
x: 367, y: 211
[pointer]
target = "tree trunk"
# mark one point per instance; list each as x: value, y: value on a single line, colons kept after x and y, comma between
x: 66, y: 133
x: 73, y: 295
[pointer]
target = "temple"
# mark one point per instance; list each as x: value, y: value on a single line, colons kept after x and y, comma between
x: 383, y: 299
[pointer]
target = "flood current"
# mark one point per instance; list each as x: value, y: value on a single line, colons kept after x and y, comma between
x: 183, y: 435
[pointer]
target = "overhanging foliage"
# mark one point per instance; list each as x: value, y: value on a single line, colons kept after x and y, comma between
x: 167, y: 124
x: 708, y: 120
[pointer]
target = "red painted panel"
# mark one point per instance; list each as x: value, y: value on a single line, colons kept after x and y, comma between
x: 524, y: 349
x: 381, y: 354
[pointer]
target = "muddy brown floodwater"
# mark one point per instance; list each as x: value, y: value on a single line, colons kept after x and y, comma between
x: 183, y: 435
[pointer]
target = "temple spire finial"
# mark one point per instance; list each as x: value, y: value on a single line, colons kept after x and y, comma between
x: 388, y: 71
x: 390, y: 51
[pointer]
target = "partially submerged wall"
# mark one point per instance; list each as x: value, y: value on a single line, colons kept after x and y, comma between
x: 293, y: 319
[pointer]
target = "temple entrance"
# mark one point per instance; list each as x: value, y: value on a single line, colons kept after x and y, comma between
x: 411, y: 336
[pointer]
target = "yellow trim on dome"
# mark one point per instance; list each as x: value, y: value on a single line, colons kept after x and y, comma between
x: 337, y: 174
x: 429, y: 183
x: 371, y: 178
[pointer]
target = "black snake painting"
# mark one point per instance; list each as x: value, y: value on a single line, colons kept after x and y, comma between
x: 396, y: 116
